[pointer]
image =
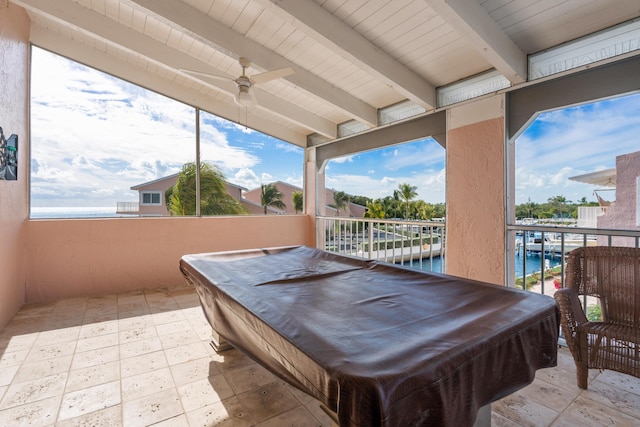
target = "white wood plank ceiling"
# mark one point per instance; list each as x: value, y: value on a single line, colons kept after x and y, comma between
x: 350, y: 57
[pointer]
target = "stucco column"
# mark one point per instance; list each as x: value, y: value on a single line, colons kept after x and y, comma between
x: 476, y: 190
x: 14, y: 116
x: 314, y: 192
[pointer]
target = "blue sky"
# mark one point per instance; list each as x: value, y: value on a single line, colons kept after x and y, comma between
x: 94, y: 136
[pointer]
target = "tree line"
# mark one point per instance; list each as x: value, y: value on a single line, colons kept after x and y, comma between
x: 402, y: 204
x: 554, y: 207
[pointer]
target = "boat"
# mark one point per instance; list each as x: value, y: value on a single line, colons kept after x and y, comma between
x: 536, y: 244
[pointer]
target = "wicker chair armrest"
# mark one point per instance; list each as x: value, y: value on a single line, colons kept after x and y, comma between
x: 571, y: 314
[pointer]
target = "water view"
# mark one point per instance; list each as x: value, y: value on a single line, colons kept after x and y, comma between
x: 534, y: 264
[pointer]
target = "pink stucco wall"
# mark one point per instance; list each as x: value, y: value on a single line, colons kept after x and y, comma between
x: 621, y: 215
x: 14, y: 71
x: 91, y: 257
x: 475, y: 201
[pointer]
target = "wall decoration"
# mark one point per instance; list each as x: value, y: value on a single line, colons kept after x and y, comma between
x: 8, y: 157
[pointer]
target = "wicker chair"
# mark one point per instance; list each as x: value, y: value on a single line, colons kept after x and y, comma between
x: 611, y: 274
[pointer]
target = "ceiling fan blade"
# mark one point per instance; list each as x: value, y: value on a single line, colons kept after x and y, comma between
x: 272, y: 75
x: 208, y: 75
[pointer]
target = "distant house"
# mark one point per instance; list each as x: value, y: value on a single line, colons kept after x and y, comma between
x: 287, y: 190
x: 151, y: 200
x: 622, y: 213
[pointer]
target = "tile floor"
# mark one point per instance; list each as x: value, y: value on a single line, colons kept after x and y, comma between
x: 143, y: 358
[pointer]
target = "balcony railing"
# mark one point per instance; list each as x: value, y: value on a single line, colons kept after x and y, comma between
x: 540, y: 250
x: 548, y: 246
x: 127, y: 207
x: 417, y: 244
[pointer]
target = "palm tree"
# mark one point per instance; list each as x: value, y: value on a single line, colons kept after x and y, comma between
x: 375, y: 209
x: 298, y: 200
x: 214, y: 199
x: 559, y: 204
x: 271, y: 196
x: 407, y: 193
x: 340, y: 201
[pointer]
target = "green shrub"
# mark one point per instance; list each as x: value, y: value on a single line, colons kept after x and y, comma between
x: 594, y: 313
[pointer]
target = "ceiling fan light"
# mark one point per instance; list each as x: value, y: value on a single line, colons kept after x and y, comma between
x: 245, y: 97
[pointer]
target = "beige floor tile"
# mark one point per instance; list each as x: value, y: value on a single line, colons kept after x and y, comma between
x: 137, y: 334
x: 179, y: 339
x: 613, y: 397
x: 227, y: 413
x: 50, y: 351
x: 43, y: 368
x: 298, y: 417
x: 185, y: 353
x: 204, y: 392
x: 173, y: 327
x: 151, y: 382
x: 546, y: 394
x: 144, y: 363
x: 592, y: 413
x: 40, y: 413
x: 268, y: 401
x: 58, y: 336
x: 95, y: 357
x: 140, y: 347
x: 10, y: 343
x: 230, y: 359
x: 7, y: 374
x: 194, y: 370
x: 126, y: 311
x: 75, y: 304
x: 34, y: 390
x: 35, y: 309
x: 12, y: 358
x: 97, y: 329
x: 318, y: 413
x: 179, y: 421
x: 91, y: 399
x: 618, y: 380
x: 248, y: 377
x: 161, y: 315
x: 498, y: 420
x: 20, y: 325
x: 107, y: 417
x: 151, y: 409
x: 97, y: 342
x: 92, y: 376
x: 135, y: 322
x: 525, y: 412
x: 99, y: 316
x: 102, y: 301
x: 129, y: 297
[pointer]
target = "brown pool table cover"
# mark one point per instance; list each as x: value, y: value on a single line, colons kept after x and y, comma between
x: 377, y: 343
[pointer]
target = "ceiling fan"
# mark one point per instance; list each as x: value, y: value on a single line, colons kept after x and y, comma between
x: 245, y: 96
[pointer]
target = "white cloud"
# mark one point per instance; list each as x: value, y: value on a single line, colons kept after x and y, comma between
x: 246, y: 178
x: 344, y: 159
x: 120, y: 134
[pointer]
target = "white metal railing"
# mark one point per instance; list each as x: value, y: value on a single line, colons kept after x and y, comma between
x: 547, y: 245
x: 539, y: 249
x: 127, y: 207
x: 416, y: 244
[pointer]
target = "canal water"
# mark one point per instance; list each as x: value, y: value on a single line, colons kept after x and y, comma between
x: 533, y: 264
